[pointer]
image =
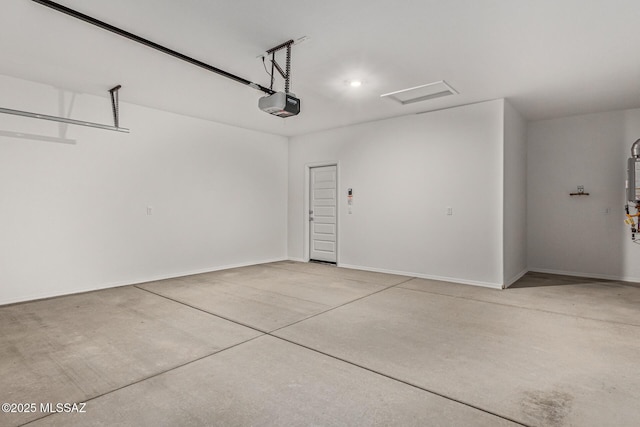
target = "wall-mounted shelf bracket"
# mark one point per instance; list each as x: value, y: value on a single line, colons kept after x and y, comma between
x: 580, y: 191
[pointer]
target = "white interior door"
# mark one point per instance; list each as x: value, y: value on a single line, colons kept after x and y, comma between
x: 323, y: 214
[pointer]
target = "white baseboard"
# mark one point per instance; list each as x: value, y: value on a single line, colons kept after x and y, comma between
x: 586, y: 275
x: 58, y: 293
x: 296, y: 259
x: 63, y: 292
x: 210, y: 270
x: 425, y: 276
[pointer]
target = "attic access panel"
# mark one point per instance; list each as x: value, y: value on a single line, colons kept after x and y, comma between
x: 421, y: 93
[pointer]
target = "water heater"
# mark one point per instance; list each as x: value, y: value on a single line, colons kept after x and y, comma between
x: 633, y: 174
x: 633, y: 192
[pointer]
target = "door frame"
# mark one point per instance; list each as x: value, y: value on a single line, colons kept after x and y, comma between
x: 307, y: 201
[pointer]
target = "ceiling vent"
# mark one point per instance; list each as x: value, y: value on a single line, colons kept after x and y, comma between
x: 421, y: 93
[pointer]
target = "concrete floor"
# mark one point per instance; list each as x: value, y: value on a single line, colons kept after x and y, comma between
x: 307, y: 344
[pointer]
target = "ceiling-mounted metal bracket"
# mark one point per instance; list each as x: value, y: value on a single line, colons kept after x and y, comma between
x: 115, y: 105
x: 62, y: 120
x: 286, y: 74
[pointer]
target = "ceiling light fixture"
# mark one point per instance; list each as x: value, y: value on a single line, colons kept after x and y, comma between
x: 355, y: 83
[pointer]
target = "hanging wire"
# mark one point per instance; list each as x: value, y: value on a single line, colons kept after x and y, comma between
x: 264, y: 64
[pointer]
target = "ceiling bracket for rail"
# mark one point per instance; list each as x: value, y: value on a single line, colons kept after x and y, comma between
x: 286, y: 74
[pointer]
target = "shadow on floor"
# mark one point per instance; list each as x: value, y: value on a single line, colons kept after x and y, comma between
x: 535, y: 280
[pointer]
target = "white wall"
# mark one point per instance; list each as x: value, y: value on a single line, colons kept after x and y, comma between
x: 404, y: 173
x: 515, y: 195
x: 73, y: 217
x: 574, y: 235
